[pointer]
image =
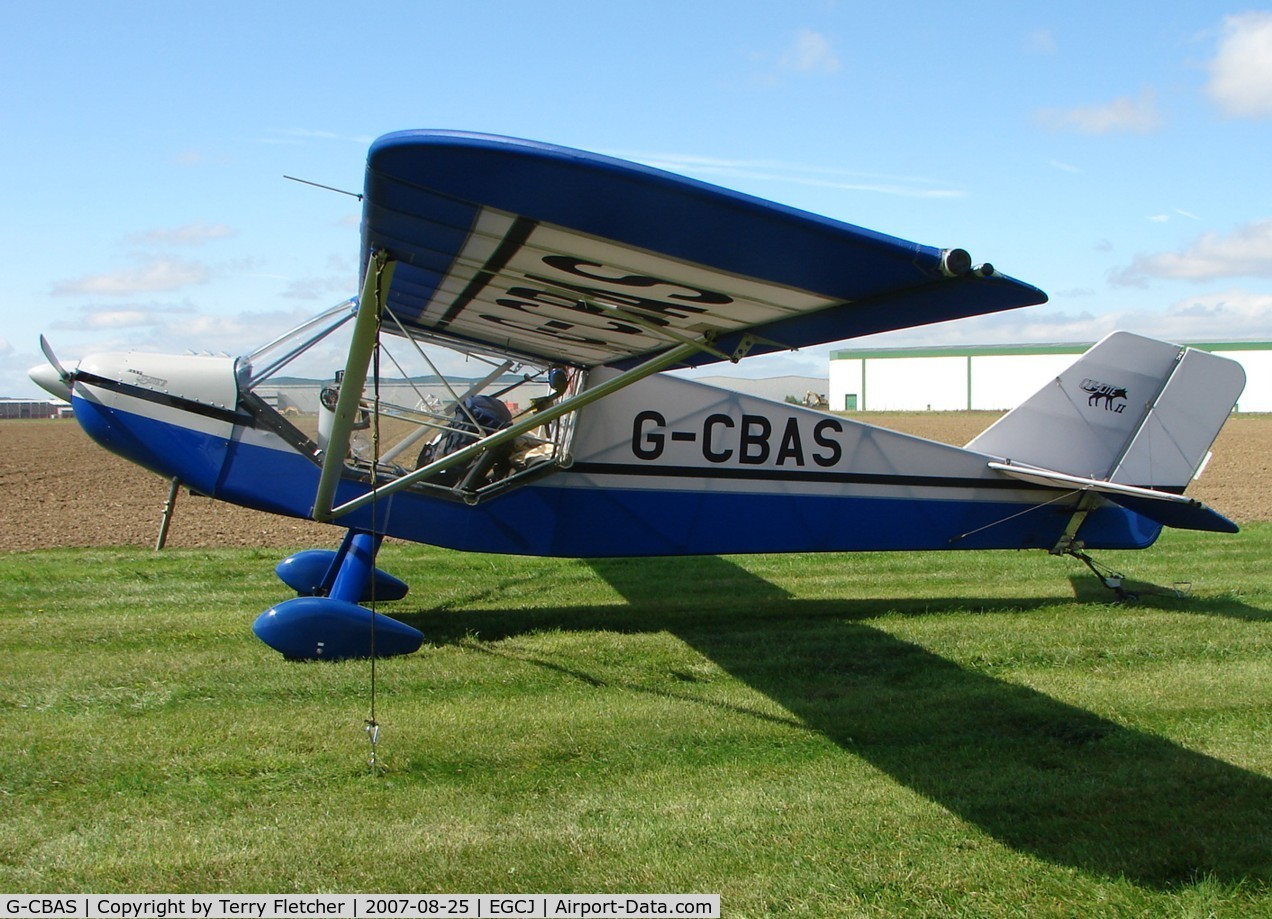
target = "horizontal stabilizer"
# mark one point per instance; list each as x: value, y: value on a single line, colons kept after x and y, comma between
x: 1164, y: 507
x: 1190, y: 515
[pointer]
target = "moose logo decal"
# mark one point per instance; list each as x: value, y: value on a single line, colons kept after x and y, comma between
x: 1112, y: 397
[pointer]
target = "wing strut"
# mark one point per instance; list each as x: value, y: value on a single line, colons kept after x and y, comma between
x: 366, y: 328
x: 651, y: 366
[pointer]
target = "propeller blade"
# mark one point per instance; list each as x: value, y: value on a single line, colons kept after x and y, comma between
x: 52, y: 359
x: 52, y: 377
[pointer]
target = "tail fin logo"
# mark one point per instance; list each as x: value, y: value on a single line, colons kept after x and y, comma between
x: 1113, y: 398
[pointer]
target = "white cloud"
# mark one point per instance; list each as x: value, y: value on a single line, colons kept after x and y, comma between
x: 329, y: 288
x: 98, y: 320
x: 171, y: 328
x: 1163, y: 218
x: 1241, y: 73
x: 118, y: 319
x: 1040, y: 41
x: 157, y: 275
x: 715, y: 168
x: 1246, y: 252
x: 302, y: 135
x: 1233, y: 314
x: 1123, y: 115
x: 192, y: 234
x: 810, y: 52
x: 1221, y: 315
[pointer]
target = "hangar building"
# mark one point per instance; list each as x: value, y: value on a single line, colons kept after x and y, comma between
x: 34, y: 408
x: 993, y: 377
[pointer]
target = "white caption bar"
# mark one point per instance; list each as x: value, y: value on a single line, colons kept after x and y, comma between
x: 357, y: 906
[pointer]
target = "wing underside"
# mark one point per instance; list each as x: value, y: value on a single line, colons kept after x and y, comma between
x: 553, y: 254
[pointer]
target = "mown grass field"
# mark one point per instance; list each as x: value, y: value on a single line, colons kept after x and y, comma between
x: 892, y: 734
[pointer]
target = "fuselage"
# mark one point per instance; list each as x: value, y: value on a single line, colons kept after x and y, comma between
x: 664, y: 467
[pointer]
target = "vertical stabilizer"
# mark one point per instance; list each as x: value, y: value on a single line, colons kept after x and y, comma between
x: 1132, y: 410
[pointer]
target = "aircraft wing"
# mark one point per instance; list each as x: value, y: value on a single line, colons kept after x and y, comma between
x: 545, y: 252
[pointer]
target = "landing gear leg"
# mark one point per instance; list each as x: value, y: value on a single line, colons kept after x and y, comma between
x: 317, y: 572
x: 1111, y: 579
x: 356, y: 566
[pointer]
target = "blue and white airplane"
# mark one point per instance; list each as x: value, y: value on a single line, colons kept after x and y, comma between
x: 591, y: 277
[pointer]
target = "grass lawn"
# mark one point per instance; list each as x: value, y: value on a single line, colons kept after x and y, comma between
x: 937, y: 734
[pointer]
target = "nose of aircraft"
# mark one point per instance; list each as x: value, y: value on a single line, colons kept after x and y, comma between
x: 171, y: 413
x: 47, y: 377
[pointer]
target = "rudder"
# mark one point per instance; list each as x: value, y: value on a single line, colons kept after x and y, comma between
x: 1131, y: 410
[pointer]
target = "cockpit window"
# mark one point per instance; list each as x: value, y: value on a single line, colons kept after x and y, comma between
x: 423, y: 403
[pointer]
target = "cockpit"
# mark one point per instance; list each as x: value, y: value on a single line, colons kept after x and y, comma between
x: 425, y: 405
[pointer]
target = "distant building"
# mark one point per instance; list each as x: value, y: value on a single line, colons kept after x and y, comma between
x: 34, y: 408
x: 993, y: 377
x: 802, y: 390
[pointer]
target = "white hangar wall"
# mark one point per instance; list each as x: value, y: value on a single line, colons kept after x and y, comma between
x: 1257, y: 396
x: 993, y: 378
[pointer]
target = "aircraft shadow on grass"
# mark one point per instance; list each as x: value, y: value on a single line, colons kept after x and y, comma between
x: 1039, y: 775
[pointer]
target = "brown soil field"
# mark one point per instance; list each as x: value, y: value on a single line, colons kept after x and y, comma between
x: 58, y: 488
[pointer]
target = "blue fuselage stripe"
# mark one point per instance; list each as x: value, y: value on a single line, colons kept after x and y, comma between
x: 615, y: 513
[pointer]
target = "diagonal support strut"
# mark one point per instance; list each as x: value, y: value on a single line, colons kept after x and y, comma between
x: 375, y: 291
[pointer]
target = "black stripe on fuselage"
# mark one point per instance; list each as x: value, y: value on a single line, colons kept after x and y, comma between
x: 799, y: 475
x: 166, y: 399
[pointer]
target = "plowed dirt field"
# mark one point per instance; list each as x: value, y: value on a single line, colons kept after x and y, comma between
x: 58, y: 488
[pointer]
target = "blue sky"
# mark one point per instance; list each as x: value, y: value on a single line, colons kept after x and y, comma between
x: 1117, y: 155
